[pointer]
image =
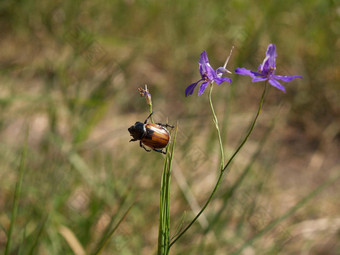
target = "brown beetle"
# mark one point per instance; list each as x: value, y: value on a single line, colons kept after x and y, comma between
x: 155, y: 136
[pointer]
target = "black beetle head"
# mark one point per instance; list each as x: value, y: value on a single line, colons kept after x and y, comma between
x: 137, y: 131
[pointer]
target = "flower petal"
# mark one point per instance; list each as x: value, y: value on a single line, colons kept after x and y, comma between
x: 259, y: 78
x: 268, y: 64
x: 277, y: 84
x: 244, y: 71
x: 287, y: 78
x: 210, y: 72
x: 203, y: 63
x: 204, y: 58
x: 271, y: 53
x: 190, y: 89
x: 202, y: 88
x: 220, y: 80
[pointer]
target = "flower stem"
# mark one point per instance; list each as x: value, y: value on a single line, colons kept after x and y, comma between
x: 150, y: 110
x: 250, y: 129
x: 217, y: 128
x: 225, y: 167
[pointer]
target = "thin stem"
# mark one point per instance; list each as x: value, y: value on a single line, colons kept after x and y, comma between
x: 162, y: 217
x: 227, y: 195
x: 202, y: 210
x: 150, y: 110
x: 250, y: 129
x: 216, y: 125
x: 225, y: 167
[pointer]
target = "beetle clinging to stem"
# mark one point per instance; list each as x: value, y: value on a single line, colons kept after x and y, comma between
x: 155, y: 136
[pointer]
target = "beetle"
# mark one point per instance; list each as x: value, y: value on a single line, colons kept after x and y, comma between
x: 155, y: 136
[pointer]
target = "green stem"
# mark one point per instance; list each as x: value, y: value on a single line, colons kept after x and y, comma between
x: 216, y: 125
x: 250, y: 129
x: 150, y: 110
x: 225, y: 167
x: 162, y: 217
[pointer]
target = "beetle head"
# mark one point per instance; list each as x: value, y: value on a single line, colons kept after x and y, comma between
x: 137, y: 131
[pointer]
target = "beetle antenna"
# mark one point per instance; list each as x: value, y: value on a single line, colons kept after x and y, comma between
x: 148, y: 118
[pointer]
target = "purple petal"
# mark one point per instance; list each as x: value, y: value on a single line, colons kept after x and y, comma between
x: 259, y: 78
x: 271, y: 53
x: 210, y: 72
x: 219, y: 80
x: 203, y: 62
x: 260, y: 66
x: 190, y: 89
x: 287, y: 78
x: 268, y: 64
x: 244, y: 71
x: 258, y: 74
x: 202, y: 88
x: 264, y: 67
x: 204, y: 58
x: 277, y: 84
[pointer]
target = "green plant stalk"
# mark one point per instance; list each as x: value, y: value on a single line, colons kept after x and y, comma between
x: 216, y: 126
x: 223, y: 170
x: 150, y: 110
x: 17, y: 196
x: 162, y: 217
x: 164, y: 210
x: 250, y: 129
x: 240, y: 179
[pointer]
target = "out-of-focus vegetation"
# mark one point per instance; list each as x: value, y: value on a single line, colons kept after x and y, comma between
x: 69, y: 73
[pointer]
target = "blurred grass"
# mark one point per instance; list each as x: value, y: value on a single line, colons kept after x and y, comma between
x: 70, y: 70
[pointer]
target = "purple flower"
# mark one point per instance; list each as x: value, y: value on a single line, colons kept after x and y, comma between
x: 266, y: 71
x: 208, y: 75
x: 145, y: 93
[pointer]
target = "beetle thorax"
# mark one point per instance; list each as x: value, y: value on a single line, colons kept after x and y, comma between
x: 137, y: 131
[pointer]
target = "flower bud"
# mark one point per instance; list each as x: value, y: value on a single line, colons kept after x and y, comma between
x: 145, y: 93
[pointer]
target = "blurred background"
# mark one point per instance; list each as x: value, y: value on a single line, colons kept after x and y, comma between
x: 68, y: 92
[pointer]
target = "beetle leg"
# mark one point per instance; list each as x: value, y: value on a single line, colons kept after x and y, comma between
x: 141, y: 145
x: 148, y: 118
x: 165, y: 125
x: 160, y: 151
x: 133, y: 140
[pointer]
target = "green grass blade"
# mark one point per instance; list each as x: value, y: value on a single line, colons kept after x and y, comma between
x: 108, y: 237
x: 17, y: 196
x: 40, y: 230
x: 164, y: 210
x: 107, y: 231
x: 161, y: 225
